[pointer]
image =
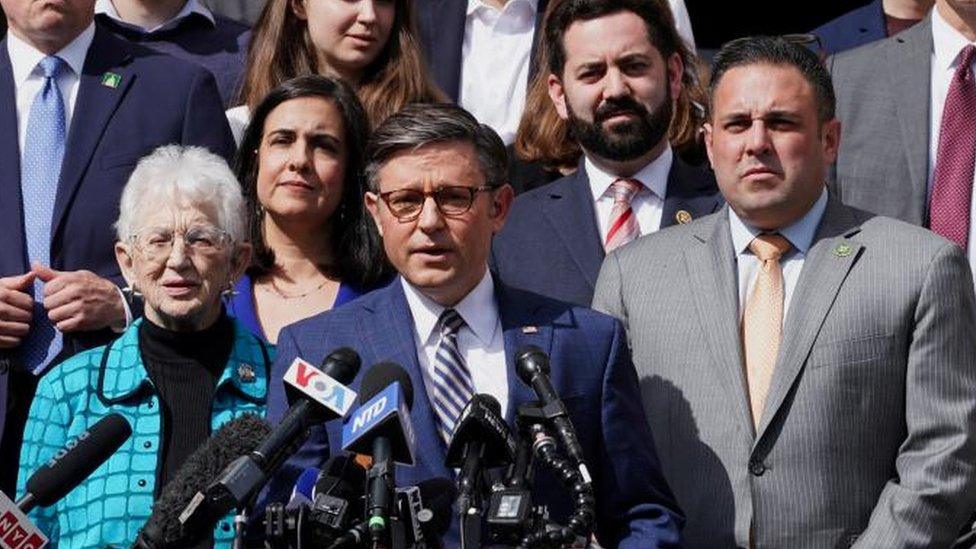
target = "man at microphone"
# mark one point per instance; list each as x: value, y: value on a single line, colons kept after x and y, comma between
x: 437, y: 192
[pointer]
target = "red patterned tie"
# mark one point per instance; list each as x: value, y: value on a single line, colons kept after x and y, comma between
x: 623, y: 224
x: 952, y: 186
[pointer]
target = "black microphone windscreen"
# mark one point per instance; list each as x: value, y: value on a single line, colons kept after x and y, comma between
x: 341, y: 477
x: 342, y: 365
x: 380, y: 376
x: 232, y: 440
x: 438, y: 494
x: 344, y: 478
x: 491, y: 402
x: 78, y: 459
x: 530, y: 360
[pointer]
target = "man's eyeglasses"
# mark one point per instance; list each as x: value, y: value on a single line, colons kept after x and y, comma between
x: 156, y: 243
x: 451, y: 201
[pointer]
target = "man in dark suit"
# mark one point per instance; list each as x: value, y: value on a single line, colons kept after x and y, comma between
x: 245, y: 11
x: 482, y: 54
x: 78, y: 108
x: 877, y: 20
x: 614, y: 74
x: 437, y: 194
x: 185, y: 29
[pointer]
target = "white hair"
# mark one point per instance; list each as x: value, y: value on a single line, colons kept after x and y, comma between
x: 176, y: 175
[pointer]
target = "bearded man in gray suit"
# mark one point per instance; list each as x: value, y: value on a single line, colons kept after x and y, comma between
x: 807, y: 367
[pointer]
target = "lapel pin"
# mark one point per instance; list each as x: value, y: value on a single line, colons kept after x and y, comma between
x: 843, y: 250
x: 111, y: 80
x: 530, y: 330
x: 246, y: 373
x: 682, y: 216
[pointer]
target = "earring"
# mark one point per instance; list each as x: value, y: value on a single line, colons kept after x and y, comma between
x: 229, y: 292
x: 131, y: 292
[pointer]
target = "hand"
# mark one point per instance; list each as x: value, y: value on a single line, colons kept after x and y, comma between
x: 79, y: 300
x: 16, y: 308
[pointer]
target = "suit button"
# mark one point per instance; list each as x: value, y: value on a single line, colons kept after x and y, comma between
x: 757, y: 467
x: 141, y: 483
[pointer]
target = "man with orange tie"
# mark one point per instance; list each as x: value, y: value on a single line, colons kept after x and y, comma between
x: 614, y: 74
x: 806, y: 367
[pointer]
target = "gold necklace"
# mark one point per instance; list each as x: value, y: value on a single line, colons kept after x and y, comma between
x: 276, y: 290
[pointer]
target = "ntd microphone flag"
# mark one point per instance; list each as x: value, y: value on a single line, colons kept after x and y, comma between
x: 316, y: 385
x: 386, y: 414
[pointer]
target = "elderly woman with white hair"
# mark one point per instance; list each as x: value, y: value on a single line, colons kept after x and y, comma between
x: 176, y: 374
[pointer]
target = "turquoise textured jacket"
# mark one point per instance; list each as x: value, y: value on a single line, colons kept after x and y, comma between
x: 111, y: 505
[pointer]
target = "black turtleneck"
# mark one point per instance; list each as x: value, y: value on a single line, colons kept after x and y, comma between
x: 184, y: 367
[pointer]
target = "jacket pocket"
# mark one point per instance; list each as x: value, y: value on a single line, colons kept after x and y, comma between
x: 854, y: 351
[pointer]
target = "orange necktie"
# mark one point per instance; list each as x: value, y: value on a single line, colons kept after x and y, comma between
x: 762, y: 323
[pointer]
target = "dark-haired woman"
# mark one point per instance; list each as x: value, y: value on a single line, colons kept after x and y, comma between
x: 314, y: 246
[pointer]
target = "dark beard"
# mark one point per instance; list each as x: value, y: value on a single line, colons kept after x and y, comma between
x: 622, y: 141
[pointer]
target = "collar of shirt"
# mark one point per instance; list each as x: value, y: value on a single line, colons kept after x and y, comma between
x: 479, y: 5
x: 653, y: 177
x: 105, y: 7
x: 478, y: 309
x: 800, y: 234
x: 25, y: 57
x: 947, y: 42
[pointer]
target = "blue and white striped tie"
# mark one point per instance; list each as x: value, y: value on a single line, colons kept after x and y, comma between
x: 451, y: 382
x: 43, y: 152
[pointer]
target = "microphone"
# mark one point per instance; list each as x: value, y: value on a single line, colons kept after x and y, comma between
x: 381, y: 428
x: 233, y: 439
x: 335, y: 497
x: 338, y: 494
x: 426, y: 508
x: 320, y: 395
x: 301, y: 494
x: 481, y: 439
x: 532, y: 366
x: 71, y: 464
x: 75, y: 462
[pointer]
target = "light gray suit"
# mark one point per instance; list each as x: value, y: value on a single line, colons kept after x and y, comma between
x: 867, y: 432
x: 883, y: 93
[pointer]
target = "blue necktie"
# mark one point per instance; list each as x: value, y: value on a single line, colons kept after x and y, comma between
x: 450, y: 380
x: 43, y: 152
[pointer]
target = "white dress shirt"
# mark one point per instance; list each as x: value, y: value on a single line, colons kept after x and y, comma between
x: 238, y: 118
x: 647, y: 204
x: 28, y: 78
x: 800, y: 234
x: 495, y: 57
x: 947, y: 44
x: 480, y: 340
x: 192, y: 6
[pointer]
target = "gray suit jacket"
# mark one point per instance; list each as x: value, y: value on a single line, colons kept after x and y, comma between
x: 883, y: 93
x: 867, y: 434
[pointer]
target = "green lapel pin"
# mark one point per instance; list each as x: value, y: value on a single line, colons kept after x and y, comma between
x: 843, y: 250
x: 111, y: 80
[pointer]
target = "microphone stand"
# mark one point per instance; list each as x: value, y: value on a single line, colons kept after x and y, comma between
x: 240, y: 523
x: 469, y: 497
